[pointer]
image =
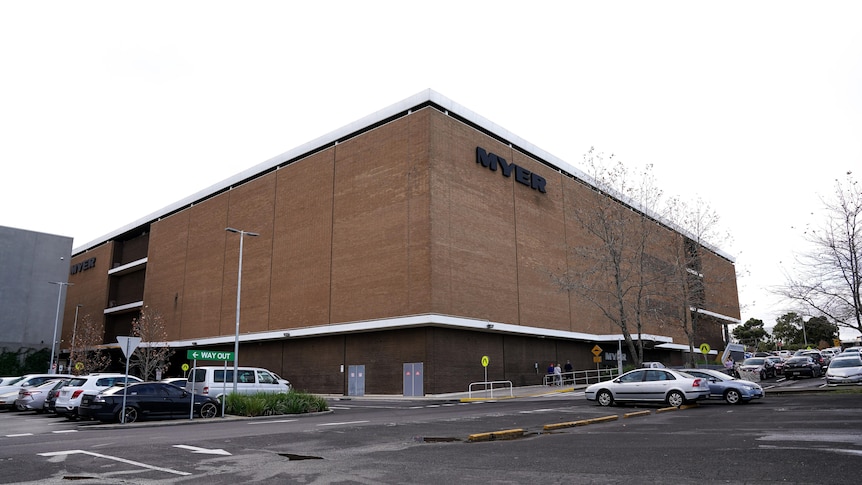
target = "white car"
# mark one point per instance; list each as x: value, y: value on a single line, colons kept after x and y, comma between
x: 211, y: 381
x: 845, y: 369
x: 650, y: 385
x: 70, y: 396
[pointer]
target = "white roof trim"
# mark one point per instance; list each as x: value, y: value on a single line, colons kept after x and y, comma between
x: 716, y: 315
x: 407, y: 322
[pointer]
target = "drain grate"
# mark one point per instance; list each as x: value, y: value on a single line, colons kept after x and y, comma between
x: 292, y: 457
x: 74, y: 477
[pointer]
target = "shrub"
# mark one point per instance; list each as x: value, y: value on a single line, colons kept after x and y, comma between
x: 266, y: 404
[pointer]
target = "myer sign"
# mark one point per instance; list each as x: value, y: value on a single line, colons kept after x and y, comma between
x: 522, y: 175
x: 209, y: 355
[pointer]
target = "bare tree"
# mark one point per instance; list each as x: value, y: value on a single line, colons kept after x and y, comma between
x: 616, y: 276
x: 699, y: 228
x: 86, y: 348
x: 153, y: 352
x: 829, y: 276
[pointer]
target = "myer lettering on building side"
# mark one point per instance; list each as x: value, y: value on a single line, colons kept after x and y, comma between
x: 522, y: 175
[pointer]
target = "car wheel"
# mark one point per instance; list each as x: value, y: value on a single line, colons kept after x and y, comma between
x: 763, y: 375
x: 130, y: 414
x: 209, y: 410
x: 605, y: 398
x: 732, y: 396
x: 675, y: 399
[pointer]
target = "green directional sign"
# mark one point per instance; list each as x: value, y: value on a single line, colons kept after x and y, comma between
x: 209, y: 355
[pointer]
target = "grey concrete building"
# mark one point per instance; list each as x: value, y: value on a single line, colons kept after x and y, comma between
x: 33, y: 264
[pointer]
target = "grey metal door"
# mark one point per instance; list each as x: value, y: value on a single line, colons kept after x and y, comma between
x: 356, y: 380
x: 413, y: 375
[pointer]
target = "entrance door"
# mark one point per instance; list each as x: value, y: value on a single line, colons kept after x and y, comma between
x: 356, y: 380
x: 413, y: 384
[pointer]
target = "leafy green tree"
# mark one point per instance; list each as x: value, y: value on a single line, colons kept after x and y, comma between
x: 788, y: 330
x: 751, y: 332
x: 819, y: 332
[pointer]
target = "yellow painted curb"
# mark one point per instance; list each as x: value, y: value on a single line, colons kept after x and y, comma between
x: 507, y: 434
x: 638, y: 413
x: 583, y: 422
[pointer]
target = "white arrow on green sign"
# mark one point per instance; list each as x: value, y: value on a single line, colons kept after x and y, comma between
x: 209, y: 355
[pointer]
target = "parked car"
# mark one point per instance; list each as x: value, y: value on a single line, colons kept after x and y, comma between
x: 759, y: 366
x: 845, y: 370
x: 51, y: 398
x: 802, y: 365
x: 852, y: 350
x: 30, y: 380
x: 70, y: 396
x: 145, y: 400
x: 211, y: 381
x: 723, y: 386
x: 177, y: 381
x: 33, y: 398
x: 8, y: 398
x: 4, y: 381
x: 816, y: 355
x: 649, y: 385
x: 777, y: 364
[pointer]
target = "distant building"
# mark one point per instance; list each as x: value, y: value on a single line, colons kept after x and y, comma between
x: 30, y: 262
x: 392, y: 256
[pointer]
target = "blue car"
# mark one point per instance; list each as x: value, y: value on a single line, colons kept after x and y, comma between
x: 723, y: 386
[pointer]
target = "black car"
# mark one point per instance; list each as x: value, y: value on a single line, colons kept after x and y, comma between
x: 51, y: 399
x: 816, y: 356
x: 802, y: 365
x: 146, y: 400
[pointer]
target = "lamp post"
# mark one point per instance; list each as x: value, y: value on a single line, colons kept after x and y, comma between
x: 60, y: 284
x: 238, y: 293
x: 75, y: 326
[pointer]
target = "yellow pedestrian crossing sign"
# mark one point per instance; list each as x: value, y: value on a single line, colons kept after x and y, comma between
x: 704, y: 349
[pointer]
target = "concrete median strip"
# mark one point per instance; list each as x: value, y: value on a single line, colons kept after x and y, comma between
x: 637, y: 413
x: 507, y: 434
x: 583, y: 422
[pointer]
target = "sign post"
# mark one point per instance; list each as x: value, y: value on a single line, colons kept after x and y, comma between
x: 704, y: 349
x: 485, y: 362
x: 128, y: 345
x: 194, y: 356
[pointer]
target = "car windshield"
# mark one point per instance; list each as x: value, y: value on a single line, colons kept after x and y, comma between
x: 846, y: 363
x: 798, y: 360
x: 78, y: 381
x: 753, y: 361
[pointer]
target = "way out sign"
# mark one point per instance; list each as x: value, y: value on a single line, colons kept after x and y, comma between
x: 209, y: 355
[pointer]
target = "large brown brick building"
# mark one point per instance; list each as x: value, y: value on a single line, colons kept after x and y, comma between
x: 420, y: 234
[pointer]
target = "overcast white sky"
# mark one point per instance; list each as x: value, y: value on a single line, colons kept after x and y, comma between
x: 756, y: 107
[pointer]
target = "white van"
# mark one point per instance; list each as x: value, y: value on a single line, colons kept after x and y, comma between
x: 212, y: 381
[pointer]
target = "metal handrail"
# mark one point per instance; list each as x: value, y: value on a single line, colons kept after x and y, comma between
x: 579, y: 377
x: 491, y: 389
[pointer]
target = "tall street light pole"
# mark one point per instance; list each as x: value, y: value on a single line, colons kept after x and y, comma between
x: 75, y: 326
x: 60, y: 284
x: 238, y: 293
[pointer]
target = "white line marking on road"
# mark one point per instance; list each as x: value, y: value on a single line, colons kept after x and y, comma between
x: 342, y: 423
x: 121, y: 460
x: 17, y: 435
x: 268, y: 421
x: 65, y: 431
x: 205, y: 451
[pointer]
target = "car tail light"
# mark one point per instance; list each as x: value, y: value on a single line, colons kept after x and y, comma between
x: 77, y: 393
x: 697, y: 382
x: 206, y: 390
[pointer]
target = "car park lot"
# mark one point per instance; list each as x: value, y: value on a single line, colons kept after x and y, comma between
x: 390, y: 440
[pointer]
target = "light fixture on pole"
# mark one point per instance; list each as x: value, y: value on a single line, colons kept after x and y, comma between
x: 238, y: 293
x: 61, y: 284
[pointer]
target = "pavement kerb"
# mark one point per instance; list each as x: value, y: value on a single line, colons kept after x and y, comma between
x: 582, y: 422
x: 506, y: 434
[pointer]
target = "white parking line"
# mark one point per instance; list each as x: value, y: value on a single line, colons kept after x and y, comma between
x: 342, y: 423
x: 121, y: 460
x: 18, y: 435
x: 65, y: 431
x: 272, y: 421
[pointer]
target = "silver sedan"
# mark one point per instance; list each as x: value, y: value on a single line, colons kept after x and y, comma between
x: 650, y: 385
